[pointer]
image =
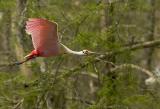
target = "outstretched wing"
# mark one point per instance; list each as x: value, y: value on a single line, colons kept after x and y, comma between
x: 43, y: 33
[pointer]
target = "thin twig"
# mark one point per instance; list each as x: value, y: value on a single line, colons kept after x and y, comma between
x: 123, y: 66
x: 18, y: 104
x: 80, y: 99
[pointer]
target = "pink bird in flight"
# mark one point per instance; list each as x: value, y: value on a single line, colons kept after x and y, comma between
x: 45, y: 40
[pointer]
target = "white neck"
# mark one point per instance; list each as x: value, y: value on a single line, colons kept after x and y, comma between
x: 69, y: 51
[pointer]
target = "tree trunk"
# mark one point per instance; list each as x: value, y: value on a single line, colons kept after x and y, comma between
x: 6, y: 35
x: 150, y: 51
x: 20, y: 34
x: 107, y: 20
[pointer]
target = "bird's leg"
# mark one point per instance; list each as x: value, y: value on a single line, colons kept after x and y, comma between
x: 28, y: 57
x: 21, y: 62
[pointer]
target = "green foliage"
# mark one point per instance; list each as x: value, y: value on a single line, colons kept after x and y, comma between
x: 66, y: 83
x: 7, y: 5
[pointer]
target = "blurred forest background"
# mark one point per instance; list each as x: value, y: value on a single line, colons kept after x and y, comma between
x: 125, y: 32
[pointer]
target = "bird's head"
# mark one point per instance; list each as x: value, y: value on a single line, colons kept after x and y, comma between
x: 32, y: 55
x: 87, y: 52
x: 84, y: 52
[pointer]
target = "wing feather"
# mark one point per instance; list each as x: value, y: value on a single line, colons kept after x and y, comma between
x: 44, y: 35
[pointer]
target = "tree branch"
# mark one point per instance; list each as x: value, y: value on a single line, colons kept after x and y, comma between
x: 123, y: 66
x: 148, y: 44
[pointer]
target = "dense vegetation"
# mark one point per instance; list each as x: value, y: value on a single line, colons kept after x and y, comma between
x: 124, y: 32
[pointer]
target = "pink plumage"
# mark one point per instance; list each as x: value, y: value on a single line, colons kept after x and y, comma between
x: 44, y: 36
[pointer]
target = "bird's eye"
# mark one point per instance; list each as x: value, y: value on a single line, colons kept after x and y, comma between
x: 85, y: 52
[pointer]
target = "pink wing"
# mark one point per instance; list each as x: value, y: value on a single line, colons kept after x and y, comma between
x: 44, y: 36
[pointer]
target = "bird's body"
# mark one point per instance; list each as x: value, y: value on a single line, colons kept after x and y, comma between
x: 44, y: 36
x: 45, y: 41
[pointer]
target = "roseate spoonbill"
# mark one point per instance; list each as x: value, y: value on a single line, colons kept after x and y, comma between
x: 45, y: 41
